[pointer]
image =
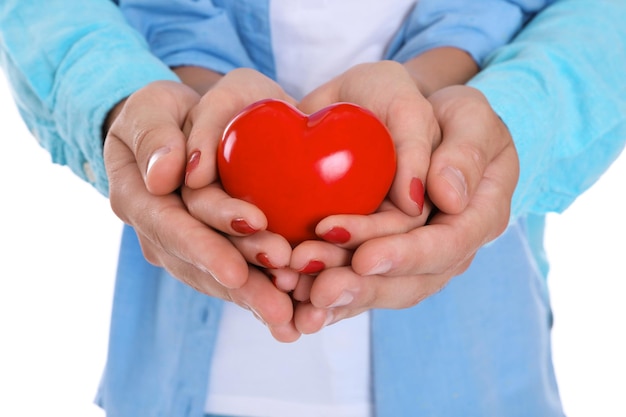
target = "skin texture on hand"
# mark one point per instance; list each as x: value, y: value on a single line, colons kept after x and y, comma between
x: 145, y: 156
x: 453, y: 143
x: 441, y: 67
x: 399, y: 270
x: 392, y: 95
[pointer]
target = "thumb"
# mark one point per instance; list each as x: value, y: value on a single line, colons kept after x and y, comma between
x: 150, y: 124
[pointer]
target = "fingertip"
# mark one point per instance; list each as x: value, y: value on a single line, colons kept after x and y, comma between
x: 285, y: 279
x: 408, y: 195
x: 285, y: 333
x: 246, y: 219
x: 309, y: 319
x: 379, y: 267
x: 448, y: 190
x: 231, y: 269
x: 157, y: 155
x: 336, y: 234
x: 241, y: 226
x: 233, y: 278
x: 199, y: 171
x: 272, y: 254
x: 416, y: 193
x: 164, y: 170
x: 374, y: 257
x: 192, y: 163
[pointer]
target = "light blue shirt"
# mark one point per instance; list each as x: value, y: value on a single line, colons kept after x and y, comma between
x: 481, y: 347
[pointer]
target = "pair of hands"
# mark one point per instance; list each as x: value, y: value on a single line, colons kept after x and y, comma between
x: 167, y: 134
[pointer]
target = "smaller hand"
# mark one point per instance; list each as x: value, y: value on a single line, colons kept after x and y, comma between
x: 217, y: 107
x: 392, y: 95
x: 387, y: 89
x: 400, y: 270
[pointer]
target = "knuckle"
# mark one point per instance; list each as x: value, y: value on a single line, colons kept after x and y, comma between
x: 141, y: 137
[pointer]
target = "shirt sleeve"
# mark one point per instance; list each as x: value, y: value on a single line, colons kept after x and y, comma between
x: 477, y: 27
x: 184, y: 32
x: 560, y: 87
x: 68, y: 63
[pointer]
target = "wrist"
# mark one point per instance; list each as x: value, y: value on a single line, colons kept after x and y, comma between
x: 200, y: 79
x: 441, y: 67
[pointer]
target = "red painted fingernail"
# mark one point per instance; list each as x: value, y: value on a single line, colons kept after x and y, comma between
x: 192, y: 163
x: 242, y: 226
x: 417, y: 193
x: 337, y: 235
x: 313, y: 267
x: 264, y: 260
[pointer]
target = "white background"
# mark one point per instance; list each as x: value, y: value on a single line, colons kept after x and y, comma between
x: 59, y: 250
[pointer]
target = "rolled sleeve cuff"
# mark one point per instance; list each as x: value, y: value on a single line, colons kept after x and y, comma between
x: 89, y: 90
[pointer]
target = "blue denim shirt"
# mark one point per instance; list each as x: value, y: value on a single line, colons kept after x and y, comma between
x: 439, y: 358
x: 479, y: 348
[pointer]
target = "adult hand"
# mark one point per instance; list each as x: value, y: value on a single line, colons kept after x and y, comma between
x: 393, y: 96
x: 391, y: 91
x: 145, y: 156
x: 471, y: 179
x: 204, y: 196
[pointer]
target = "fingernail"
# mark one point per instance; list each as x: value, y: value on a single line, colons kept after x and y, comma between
x: 382, y: 267
x: 210, y: 273
x: 417, y: 193
x: 330, y: 318
x: 313, y: 267
x: 242, y: 226
x: 455, y: 178
x: 344, y: 299
x: 158, y: 154
x: 264, y: 260
x: 337, y: 235
x: 192, y: 163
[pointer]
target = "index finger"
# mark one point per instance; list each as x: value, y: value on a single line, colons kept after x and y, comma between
x: 207, y: 122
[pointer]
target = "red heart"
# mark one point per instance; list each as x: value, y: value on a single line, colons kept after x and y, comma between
x: 299, y: 169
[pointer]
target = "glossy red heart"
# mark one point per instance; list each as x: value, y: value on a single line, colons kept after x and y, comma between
x: 299, y: 169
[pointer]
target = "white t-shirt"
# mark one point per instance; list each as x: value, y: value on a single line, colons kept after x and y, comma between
x: 327, y: 373
x: 324, y: 374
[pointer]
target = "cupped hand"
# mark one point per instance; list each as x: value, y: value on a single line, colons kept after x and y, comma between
x: 145, y: 157
x: 243, y: 223
x: 387, y: 89
x: 471, y: 179
x: 217, y: 107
